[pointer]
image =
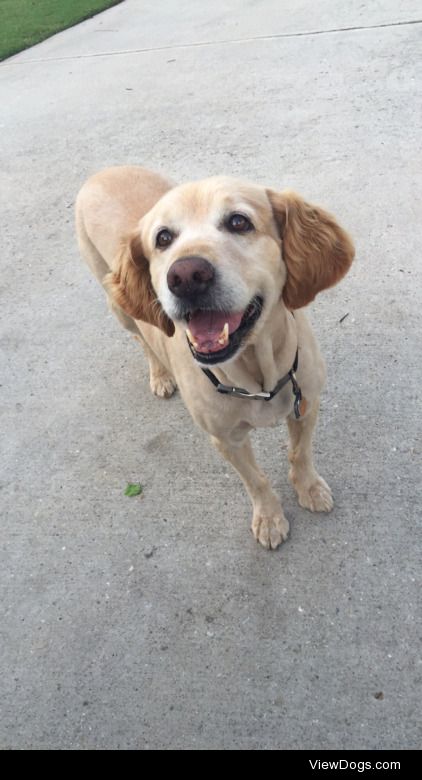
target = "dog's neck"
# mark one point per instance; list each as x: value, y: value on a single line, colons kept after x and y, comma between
x: 260, y: 365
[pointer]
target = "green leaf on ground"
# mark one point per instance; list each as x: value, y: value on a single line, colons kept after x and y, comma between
x: 133, y: 489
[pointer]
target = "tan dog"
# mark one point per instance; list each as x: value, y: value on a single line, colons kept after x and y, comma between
x: 212, y: 276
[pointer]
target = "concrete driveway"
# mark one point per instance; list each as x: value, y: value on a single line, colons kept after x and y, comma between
x: 158, y: 622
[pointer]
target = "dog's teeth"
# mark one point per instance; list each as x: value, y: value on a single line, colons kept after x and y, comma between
x: 224, y: 335
x: 191, y: 338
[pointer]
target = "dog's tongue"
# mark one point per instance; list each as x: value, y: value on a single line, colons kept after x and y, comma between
x: 207, y: 327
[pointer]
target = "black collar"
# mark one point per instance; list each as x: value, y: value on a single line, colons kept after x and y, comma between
x: 240, y: 392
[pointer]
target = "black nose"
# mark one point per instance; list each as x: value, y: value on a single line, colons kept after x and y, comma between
x: 190, y: 276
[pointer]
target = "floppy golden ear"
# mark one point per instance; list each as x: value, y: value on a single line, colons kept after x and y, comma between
x: 316, y: 250
x: 131, y: 288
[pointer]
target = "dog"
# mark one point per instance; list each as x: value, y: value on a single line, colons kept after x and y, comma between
x: 212, y: 277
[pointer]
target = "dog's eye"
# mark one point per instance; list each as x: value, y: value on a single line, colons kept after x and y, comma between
x: 238, y: 223
x: 164, y: 238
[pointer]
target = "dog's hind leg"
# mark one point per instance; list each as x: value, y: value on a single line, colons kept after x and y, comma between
x: 161, y: 381
x: 312, y: 491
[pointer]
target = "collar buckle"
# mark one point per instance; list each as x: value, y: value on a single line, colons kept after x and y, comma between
x: 263, y: 395
x: 240, y: 392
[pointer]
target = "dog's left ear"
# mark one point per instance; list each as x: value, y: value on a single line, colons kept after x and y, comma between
x: 316, y: 250
x: 131, y: 288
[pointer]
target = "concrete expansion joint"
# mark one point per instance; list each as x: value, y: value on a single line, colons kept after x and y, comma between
x: 199, y: 44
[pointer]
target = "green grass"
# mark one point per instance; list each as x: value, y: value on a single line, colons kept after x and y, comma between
x: 25, y: 22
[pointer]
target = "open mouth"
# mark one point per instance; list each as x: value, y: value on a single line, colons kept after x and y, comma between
x: 215, y: 336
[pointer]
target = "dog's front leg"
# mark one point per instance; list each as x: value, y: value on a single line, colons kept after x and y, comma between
x: 312, y: 491
x: 269, y: 525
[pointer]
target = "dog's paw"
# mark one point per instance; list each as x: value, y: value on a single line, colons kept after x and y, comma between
x: 162, y: 384
x: 270, y: 529
x: 317, y: 497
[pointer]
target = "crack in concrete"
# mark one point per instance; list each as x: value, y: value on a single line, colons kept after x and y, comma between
x: 199, y: 44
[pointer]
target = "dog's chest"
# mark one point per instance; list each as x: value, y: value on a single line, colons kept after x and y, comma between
x: 264, y: 414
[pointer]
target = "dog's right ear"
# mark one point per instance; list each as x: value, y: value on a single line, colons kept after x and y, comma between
x: 131, y: 287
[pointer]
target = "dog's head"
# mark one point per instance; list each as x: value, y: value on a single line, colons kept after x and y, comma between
x: 216, y: 256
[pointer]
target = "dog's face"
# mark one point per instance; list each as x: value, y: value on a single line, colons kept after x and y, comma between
x: 215, y: 257
x: 214, y: 252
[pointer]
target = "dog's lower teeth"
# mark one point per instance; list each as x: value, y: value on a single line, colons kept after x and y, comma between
x: 191, y: 339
